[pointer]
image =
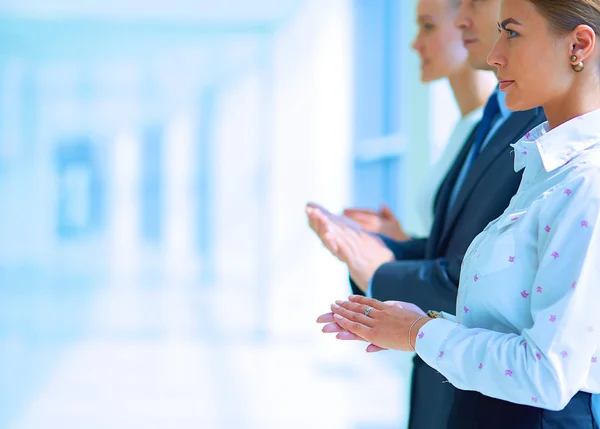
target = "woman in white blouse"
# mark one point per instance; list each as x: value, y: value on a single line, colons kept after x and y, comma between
x: 524, y: 346
x: 443, y: 55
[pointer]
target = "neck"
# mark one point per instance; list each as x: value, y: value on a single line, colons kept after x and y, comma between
x: 580, y: 100
x: 471, y: 88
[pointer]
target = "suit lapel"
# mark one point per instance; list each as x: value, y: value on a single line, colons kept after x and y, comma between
x: 445, y: 191
x: 511, y: 130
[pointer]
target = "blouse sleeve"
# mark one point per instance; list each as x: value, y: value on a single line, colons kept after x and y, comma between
x: 548, y: 363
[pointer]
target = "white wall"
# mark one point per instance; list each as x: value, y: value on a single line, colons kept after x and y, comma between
x: 312, y: 144
x: 239, y: 169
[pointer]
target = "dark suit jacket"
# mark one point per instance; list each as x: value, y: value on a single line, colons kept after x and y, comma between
x: 426, y: 271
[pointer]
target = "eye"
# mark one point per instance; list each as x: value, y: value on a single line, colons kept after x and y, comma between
x: 512, y: 34
x: 428, y: 27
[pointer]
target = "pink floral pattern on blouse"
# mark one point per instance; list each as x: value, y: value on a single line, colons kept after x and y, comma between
x: 530, y: 282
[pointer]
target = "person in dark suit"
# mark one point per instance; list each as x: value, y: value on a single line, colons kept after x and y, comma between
x: 523, y: 343
x: 476, y: 190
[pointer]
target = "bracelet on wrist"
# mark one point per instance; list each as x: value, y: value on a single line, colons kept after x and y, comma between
x: 410, y: 331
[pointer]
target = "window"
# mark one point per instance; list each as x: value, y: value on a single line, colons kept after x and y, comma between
x: 379, y: 145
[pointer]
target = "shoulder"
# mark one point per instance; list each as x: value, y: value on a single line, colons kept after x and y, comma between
x: 583, y: 172
x: 578, y: 183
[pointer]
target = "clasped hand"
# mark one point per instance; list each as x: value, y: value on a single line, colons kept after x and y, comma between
x: 362, y: 251
x: 386, y: 326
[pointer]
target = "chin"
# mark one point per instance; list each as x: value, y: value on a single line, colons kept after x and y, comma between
x: 425, y: 78
x: 515, y: 103
x: 428, y: 77
x: 477, y: 63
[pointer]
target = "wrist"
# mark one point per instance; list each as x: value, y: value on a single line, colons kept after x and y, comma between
x: 400, y: 235
x: 361, y: 281
x: 416, y: 328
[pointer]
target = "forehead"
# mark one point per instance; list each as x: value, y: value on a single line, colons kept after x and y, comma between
x: 522, y: 10
x: 431, y: 7
x: 469, y: 3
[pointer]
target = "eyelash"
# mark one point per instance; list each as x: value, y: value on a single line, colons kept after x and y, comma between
x: 509, y: 32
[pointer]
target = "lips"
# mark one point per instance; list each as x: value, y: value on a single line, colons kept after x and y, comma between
x: 467, y: 42
x: 504, y: 83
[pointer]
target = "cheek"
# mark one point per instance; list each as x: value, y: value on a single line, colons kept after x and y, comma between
x: 533, y: 89
x: 458, y: 51
x: 451, y: 49
x: 540, y: 83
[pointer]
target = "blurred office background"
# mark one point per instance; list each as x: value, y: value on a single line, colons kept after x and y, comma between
x: 156, y: 269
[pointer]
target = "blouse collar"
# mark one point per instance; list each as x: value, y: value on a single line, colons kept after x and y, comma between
x: 560, y: 145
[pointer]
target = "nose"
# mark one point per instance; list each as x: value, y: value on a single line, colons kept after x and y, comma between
x: 496, y: 57
x: 417, y: 45
x: 463, y: 19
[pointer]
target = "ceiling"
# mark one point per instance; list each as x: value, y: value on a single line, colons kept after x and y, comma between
x: 221, y: 36
x: 226, y: 12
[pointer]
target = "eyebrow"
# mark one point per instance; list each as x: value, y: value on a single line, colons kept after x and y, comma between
x: 507, y: 21
x: 422, y: 18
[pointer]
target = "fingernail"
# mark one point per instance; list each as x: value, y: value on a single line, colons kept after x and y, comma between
x: 335, y: 306
x: 339, y: 302
x: 337, y: 316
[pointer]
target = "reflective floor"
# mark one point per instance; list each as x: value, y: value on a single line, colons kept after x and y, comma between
x: 150, y: 349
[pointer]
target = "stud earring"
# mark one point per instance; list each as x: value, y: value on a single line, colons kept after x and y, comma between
x: 576, y: 67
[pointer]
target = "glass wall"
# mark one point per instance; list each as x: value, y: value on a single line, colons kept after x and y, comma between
x: 156, y: 269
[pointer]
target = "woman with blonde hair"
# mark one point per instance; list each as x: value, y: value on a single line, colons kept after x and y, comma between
x: 524, y: 345
x: 443, y: 56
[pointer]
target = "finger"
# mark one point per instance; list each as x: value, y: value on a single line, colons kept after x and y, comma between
x: 336, y: 241
x: 358, y: 308
x: 351, y: 228
x: 315, y: 206
x: 397, y: 304
x: 343, y: 243
x: 348, y: 336
x: 331, y: 328
x: 324, y: 223
x: 354, y: 327
x: 373, y: 237
x: 359, y: 211
x: 387, y: 213
x: 343, y: 221
x: 349, y: 223
x: 359, y: 299
x: 361, y: 223
x: 320, y: 225
x: 330, y: 242
x: 313, y: 220
x: 372, y: 348
x: 325, y: 318
x: 352, y: 316
x: 368, y: 218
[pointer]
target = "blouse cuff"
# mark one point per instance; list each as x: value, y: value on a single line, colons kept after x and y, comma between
x: 448, y: 316
x: 431, y: 339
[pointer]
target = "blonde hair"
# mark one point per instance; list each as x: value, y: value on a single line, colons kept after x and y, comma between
x: 565, y: 15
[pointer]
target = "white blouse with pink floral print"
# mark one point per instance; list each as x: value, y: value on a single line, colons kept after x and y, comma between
x: 527, y: 328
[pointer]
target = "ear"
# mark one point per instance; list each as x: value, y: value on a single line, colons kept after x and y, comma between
x: 583, y: 42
